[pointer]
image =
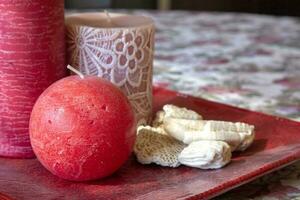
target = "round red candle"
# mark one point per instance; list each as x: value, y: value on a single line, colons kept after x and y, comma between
x: 82, y: 128
x: 32, y: 56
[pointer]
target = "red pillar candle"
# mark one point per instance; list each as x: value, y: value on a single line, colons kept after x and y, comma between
x: 32, y: 56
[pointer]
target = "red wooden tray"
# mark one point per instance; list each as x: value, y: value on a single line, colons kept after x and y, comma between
x: 277, y: 144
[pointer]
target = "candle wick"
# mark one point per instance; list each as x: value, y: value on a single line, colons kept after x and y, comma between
x: 108, y: 16
x: 75, y: 71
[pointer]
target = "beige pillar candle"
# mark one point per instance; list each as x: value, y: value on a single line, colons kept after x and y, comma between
x: 117, y: 47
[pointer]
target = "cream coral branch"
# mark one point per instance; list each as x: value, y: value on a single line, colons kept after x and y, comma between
x: 171, y: 111
x: 238, y: 135
x: 206, y: 154
x: 153, y: 147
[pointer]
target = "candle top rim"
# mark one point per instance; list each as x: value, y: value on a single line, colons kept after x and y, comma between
x: 99, y: 20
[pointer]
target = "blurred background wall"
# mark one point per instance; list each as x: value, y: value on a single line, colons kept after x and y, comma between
x: 129, y: 4
x: 273, y: 7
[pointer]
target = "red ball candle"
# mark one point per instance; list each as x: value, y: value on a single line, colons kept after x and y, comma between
x: 32, y: 56
x: 82, y: 128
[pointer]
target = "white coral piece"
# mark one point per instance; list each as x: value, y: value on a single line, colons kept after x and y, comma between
x: 153, y: 147
x: 181, y: 113
x: 159, y: 119
x: 172, y: 111
x: 158, y: 130
x: 238, y: 135
x: 206, y: 154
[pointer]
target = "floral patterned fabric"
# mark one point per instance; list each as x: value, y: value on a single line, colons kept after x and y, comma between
x: 249, y: 61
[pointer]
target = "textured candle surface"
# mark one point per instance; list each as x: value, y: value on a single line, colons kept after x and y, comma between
x: 82, y: 128
x: 32, y: 56
x: 119, y: 49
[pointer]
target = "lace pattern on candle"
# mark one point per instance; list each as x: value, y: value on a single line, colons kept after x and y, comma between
x: 123, y: 57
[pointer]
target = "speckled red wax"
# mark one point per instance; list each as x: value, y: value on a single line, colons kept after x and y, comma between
x: 32, y: 56
x: 82, y: 129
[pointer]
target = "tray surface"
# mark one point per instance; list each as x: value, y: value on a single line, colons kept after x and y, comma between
x: 277, y: 144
